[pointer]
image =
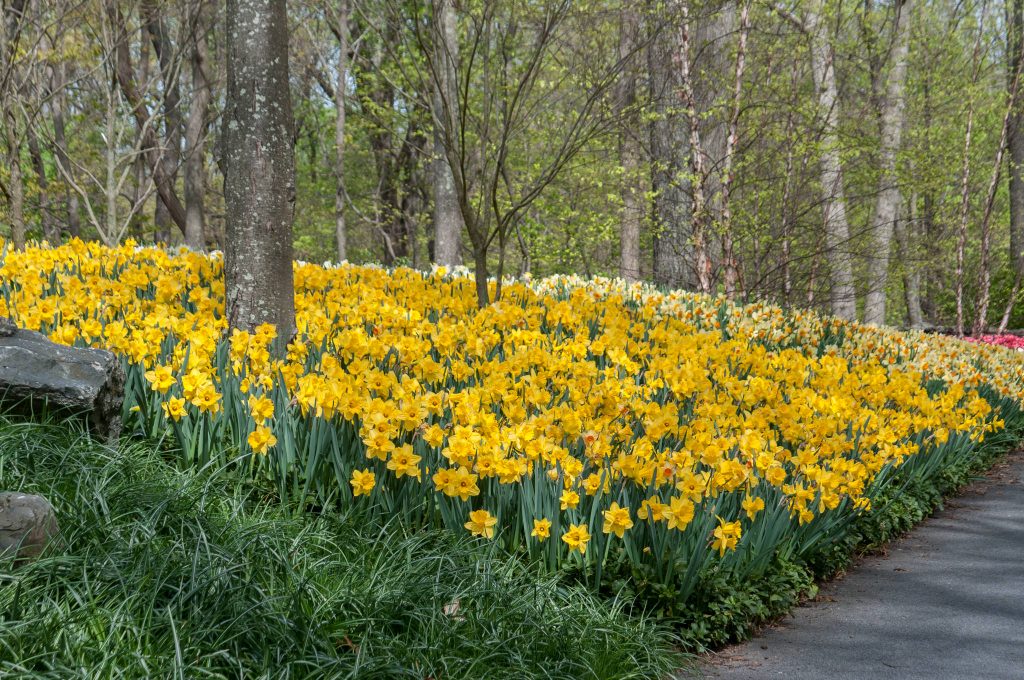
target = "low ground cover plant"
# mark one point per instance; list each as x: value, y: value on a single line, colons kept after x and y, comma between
x: 165, y: 572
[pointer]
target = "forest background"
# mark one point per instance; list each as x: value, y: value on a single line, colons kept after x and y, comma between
x: 861, y: 158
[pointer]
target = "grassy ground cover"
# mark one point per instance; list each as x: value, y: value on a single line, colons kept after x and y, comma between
x: 171, y: 573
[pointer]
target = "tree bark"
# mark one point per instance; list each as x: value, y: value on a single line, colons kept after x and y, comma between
x: 60, y: 149
x: 672, y: 213
x: 140, y: 111
x: 1011, y: 301
x: 259, y: 178
x: 1015, y: 140
x: 701, y: 210
x: 195, y: 137
x: 51, y: 230
x: 984, y: 266
x: 965, y: 202
x: 140, y: 171
x: 630, y: 151
x: 448, y: 221
x: 887, y: 204
x: 837, y: 228
x: 11, y: 23
x: 911, y: 275
x: 729, y: 261
x: 712, y: 70
x: 379, y: 93
x: 168, y: 62
x: 340, y: 87
x: 16, y: 193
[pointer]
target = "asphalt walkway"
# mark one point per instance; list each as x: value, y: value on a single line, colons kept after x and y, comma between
x: 945, y: 602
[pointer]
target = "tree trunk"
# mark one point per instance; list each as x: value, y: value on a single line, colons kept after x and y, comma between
x: 195, y: 139
x: 480, y: 274
x: 837, y: 228
x: 168, y: 62
x: 448, y: 222
x: 60, y: 150
x: 379, y: 93
x: 965, y: 177
x: 140, y: 111
x: 139, y: 223
x: 51, y: 230
x: 786, y: 217
x: 11, y: 21
x: 259, y: 178
x: 701, y: 211
x: 632, y: 206
x: 340, y: 87
x: 672, y: 209
x: 911, y: 275
x: 729, y: 261
x: 965, y: 202
x: 16, y: 193
x: 713, y: 69
x: 1015, y: 140
x: 1011, y: 301
x: 887, y: 204
x: 984, y: 266
x: 629, y: 150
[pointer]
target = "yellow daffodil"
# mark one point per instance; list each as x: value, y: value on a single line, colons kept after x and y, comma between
x: 261, y: 439
x: 577, y: 537
x: 362, y: 482
x: 481, y: 523
x: 616, y: 520
x: 541, y: 529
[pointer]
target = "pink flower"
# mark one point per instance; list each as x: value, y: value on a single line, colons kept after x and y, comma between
x: 1004, y: 340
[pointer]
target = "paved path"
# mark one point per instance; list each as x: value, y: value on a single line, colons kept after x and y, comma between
x: 946, y: 602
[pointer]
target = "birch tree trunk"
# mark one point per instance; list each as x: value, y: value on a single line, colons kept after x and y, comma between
x: 195, y: 139
x: 837, y: 228
x: 448, y: 222
x: 701, y: 213
x: 259, y: 164
x: 887, y: 204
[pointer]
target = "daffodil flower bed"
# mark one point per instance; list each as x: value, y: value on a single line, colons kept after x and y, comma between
x: 573, y: 422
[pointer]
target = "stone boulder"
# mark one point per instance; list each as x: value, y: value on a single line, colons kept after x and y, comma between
x: 70, y: 380
x: 27, y: 524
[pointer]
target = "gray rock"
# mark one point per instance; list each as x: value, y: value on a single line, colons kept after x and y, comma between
x: 7, y: 327
x: 89, y: 382
x: 27, y: 524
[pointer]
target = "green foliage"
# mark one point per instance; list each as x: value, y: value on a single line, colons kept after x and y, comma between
x: 727, y: 606
x: 189, y: 574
